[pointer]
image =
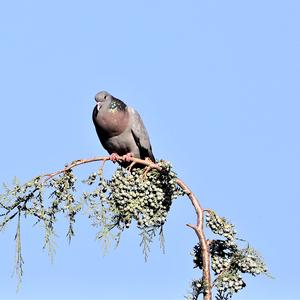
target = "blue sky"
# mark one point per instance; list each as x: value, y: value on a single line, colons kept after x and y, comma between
x: 217, y: 84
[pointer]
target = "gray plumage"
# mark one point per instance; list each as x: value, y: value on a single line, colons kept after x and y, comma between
x: 120, y: 128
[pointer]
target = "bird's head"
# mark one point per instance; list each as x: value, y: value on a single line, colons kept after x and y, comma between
x: 101, y: 98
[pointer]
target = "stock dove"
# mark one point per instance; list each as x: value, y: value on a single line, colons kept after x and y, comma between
x: 120, y: 128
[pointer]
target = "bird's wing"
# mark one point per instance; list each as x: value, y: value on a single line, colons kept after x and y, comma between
x: 140, y: 135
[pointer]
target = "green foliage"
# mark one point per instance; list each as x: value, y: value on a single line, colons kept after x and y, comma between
x: 113, y: 205
x: 140, y: 196
x: 19, y: 259
x: 197, y: 286
x: 228, y: 260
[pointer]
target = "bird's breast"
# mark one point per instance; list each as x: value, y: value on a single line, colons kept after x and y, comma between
x: 112, y: 122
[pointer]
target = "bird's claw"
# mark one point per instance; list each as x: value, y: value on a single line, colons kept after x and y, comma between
x: 144, y: 175
x: 114, y: 157
x: 130, y: 166
x: 127, y: 157
x: 147, y: 168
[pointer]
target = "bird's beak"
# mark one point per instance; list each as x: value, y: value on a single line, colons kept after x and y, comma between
x: 98, y: 105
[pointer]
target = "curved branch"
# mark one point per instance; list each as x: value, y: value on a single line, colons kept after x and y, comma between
x: 198, y: 228
x: 100, y: 158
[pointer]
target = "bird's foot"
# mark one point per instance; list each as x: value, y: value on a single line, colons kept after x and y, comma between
x: 127, y: 157
x: 147, y: 168
x: 148, y: 159
x: 130, y: 166
x: 146, y: 171
x: 114, y: 157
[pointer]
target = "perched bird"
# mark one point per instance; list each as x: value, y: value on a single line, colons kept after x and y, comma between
x: 120, y: 128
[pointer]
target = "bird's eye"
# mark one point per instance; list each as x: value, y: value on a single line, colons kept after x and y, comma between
x: 105, y: 96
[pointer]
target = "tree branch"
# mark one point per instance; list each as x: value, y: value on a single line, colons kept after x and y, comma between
x: 198, y: 228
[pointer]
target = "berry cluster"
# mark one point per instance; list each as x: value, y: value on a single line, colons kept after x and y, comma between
x: 219, y: 264
x: 220, y: 226
x: 227, y: 261
x: 197, y: 259
x: 197, y: 289
x: 249, y: 261
x: 63, y: 186
x: 144, y: 197
x: 230, y: 283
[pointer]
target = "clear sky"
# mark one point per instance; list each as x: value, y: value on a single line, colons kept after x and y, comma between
x: 217, y: 84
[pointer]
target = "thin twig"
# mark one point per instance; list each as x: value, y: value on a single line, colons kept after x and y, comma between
x: 102, y: 166
x: 8, y: 219
x: 100, y: 158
